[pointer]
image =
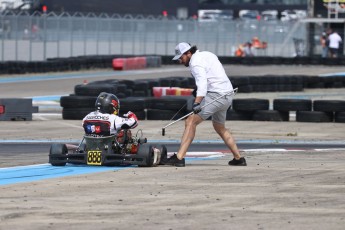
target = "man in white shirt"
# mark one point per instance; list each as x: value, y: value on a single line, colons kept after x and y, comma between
x: 334, y: 43
x: 212, y: 82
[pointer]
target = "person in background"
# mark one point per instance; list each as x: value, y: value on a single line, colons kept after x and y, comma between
x: 248, y: 50
x: 334, y: 43
x: 239, y: 51
x: 324, y: 45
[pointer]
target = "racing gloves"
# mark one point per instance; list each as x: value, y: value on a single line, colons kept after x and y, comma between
x: 196, y: 107
x: 131, y: 124
x: 131, y: 115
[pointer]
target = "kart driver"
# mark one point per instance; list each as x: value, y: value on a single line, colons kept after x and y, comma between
x: 105, y: 120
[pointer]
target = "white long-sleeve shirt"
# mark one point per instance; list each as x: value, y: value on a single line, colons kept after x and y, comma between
x: 103, y: 124
x: 209, y: 73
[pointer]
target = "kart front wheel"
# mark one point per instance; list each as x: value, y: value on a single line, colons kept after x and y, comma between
x: 57, y: 154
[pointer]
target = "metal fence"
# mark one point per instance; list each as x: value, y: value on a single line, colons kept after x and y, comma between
x: 34, y: 37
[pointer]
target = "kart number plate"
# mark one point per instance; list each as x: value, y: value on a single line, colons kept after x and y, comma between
x: 94, y: 157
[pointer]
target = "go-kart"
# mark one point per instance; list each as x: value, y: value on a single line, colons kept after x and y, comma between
x: 120, y: 149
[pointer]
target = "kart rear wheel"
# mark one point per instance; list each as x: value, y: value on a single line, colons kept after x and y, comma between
x: 57, y: 154
x: 146, y: 152
x: 82, y: 148
x: 164, y: 155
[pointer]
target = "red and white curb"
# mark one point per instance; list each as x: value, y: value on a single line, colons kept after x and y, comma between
x: 201, y: 154
x: 221, y: 154
x: 293, y: 150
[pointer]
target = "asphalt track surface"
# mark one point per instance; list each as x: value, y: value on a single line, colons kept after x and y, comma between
x: 294, y: 178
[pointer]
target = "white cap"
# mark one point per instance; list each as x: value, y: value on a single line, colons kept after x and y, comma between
x: 180, y: 49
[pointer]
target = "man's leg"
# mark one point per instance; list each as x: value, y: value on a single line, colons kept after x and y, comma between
x: 188, y: 134
x: 227, y: 138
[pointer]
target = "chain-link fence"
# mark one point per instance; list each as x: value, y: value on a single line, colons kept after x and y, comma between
x: 34, y: 37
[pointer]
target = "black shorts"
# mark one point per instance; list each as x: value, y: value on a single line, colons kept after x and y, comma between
x: 334, y: 51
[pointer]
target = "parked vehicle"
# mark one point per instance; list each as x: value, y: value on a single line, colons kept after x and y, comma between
x: 288, y: 15
x: 249, y: 14
x: 269, y: 15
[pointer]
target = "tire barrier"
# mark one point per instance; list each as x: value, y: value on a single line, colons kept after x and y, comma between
x: 267, y: 83
x: 250, y: 104
x: 94, y: 89
x: 339, y: 117
x: 329, y: 105
x: 168, y: 103
x: 159, y: 114
x: 315, y: 60
x: 313, y: 111
x: 285, y: 83
x: 134, y: 104
x: 106, y: 61
x: 132, y: 63
x: 128, y: 83
x: 151, y: 100
x: 76, y: 113
x: 286, y: 105
x: 306, y: 110
x: 77, y: 107
x: 270, y: 115
x: 74, y: 101
x: 75, y: 64
x: 174, y: 107
x: 313, y: 116
x: 239, y: 115
x: 263, y: 60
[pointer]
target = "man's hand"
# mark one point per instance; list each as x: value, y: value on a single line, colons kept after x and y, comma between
x: 196, y: 107
x: 131, y: 115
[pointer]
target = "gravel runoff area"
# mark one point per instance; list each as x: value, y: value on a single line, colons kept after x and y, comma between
x: 277, y: 190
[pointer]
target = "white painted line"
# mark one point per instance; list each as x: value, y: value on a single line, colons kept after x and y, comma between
x: 200, y: 154
x: 264, y: 150
x: 331, y: 149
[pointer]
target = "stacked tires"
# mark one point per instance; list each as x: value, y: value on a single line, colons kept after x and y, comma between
x: 135, y: 96
x: 267, y: 83
x: 285, y: 83
x: 76, y: 107
x: 306, y: 110
x: 330, y: 110
x: 245, y: 109
x: 292, y: 105
x: 313, y: 111
x: 169, y: 107
x: 136, y: 105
